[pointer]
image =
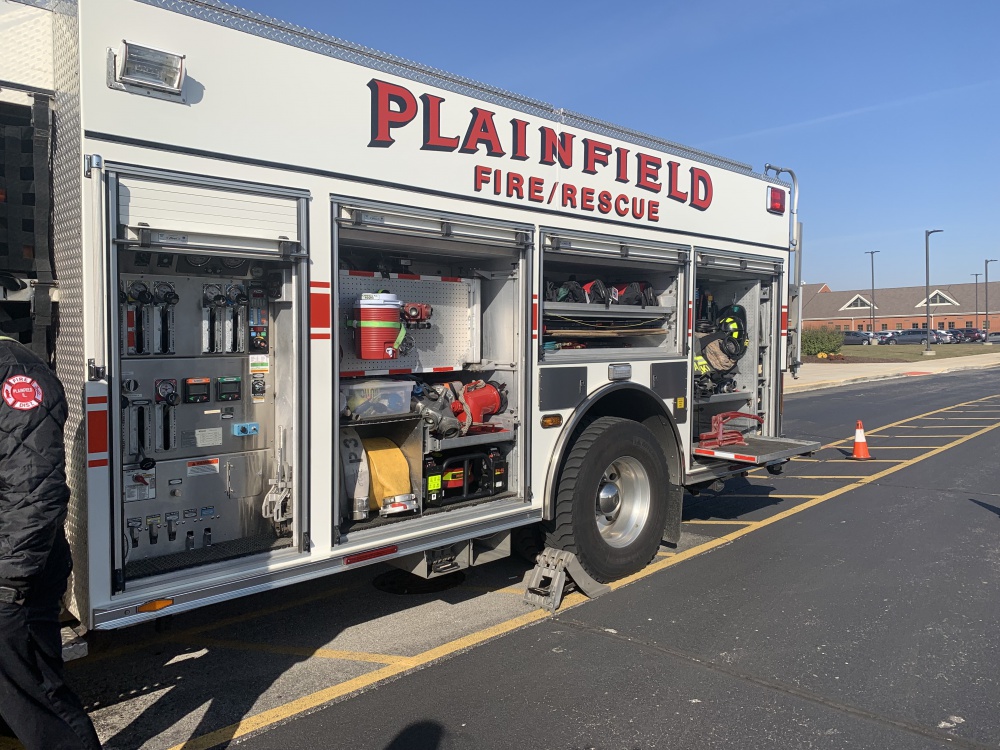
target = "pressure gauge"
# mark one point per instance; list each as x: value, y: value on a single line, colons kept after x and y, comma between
x: 233, y: 262
x: 165, y: 387
x: 236, y: 295
x: 257, y: 271
x: 139, y: 291
x: 214, y: 296
x: 198, y: 260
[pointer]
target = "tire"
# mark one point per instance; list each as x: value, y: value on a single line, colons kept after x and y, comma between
x: 619, y: 463
x: 923, y: 342
x: 527, y: 542
x: 865, y: 343
x: 892, y: 343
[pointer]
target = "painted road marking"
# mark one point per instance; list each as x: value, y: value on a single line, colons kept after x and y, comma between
x: 721, y: 522
x: 268, y: 648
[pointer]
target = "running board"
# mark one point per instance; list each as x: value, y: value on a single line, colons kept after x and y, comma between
x: 556, y: 573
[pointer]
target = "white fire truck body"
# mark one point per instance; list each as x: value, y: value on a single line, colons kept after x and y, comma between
x: 319, y: 307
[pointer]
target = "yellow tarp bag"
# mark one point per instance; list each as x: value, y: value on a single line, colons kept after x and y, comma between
x: 390, y: 474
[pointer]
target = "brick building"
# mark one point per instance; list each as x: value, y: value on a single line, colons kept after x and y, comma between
x: 951, y: 305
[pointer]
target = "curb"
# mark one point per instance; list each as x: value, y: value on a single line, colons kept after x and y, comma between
x: 798, y: 386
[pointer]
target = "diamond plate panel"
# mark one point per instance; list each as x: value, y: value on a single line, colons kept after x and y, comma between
x: 67, y: 229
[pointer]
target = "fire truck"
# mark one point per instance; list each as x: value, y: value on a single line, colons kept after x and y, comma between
x: 317, y: 307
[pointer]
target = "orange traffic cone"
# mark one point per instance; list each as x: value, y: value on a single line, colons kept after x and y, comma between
x: 860, y: 444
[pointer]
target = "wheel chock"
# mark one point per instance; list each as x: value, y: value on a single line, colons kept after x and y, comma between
x: 555, y: 574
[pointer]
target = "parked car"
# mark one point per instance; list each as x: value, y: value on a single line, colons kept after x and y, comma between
x: 972, y: 334
x: 944, y: 336
x: 858, y: 338
x: 994, y: 337
x: 958, y: 335
x: 914, y: 336
x: 882, y: 337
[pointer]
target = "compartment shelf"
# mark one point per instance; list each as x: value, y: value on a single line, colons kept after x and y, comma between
x: 716, y: 398
x: 465, y: 441
x: 585, y: 310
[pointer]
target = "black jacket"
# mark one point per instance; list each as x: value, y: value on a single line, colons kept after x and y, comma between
x: 33, y: 491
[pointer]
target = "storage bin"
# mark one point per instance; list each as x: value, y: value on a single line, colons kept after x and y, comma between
x: 372, y: 397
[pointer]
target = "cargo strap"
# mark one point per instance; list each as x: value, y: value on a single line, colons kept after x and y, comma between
x: 381, y: 324
x: 556, y: 573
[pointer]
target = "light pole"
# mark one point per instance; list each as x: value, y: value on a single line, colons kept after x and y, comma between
x: 872, y: 304
x: 977, y: 275
x: 986, y: 287
x: 927, y: 285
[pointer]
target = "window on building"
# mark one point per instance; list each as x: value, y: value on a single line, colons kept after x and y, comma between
x: 858, y: 302
x: 968, y: 324
x: 939, y: 299
x: 868, y: 328
x: 885, y: 327
x: 923, y: 325
x: 836, y: 328
x: 861, y: 327
x: 899, y: 326
x: 951, y: 326
x: 915, y: 325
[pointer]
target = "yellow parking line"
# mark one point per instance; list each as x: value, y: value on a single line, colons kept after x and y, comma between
x: 902, y: 447
x: 945, y: 419
x: 827, y: 476
x: 234, y: 620
x: 319, y: 653
x: 723, y: 523
x: 866, y: 460
x: 741, y: 496
x: 946, y: 426
x: 320, y: 697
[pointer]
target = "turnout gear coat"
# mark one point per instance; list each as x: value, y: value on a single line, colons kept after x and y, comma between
x: 33, y: 491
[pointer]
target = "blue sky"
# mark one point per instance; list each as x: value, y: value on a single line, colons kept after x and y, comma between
x: 888, y: 110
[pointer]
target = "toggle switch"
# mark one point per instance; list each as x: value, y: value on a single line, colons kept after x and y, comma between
x: 206, y: 537
x: 134, y: 533
x: 154, y: 534
x: 171, y: 531
x: 189, y: 542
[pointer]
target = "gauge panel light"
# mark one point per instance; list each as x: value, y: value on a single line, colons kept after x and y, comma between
x: 150, y: 68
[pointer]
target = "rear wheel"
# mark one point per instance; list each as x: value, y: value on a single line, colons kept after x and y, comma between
x: 892, y: 343
x: 611, y: 506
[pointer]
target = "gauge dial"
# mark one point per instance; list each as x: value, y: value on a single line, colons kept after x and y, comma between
x: 236, y: 295
x: 165, y: 387
x: 233, y: 262
x: 198, y: 260
x: 257, y: 272
x: 213, y: 295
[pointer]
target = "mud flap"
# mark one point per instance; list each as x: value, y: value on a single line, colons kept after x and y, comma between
x: 675, y: 509
x: 555, y: 574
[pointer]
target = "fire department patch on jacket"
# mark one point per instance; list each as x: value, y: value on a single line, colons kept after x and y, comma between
x: 22, y: 393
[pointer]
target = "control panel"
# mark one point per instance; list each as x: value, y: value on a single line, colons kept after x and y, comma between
x: 197, y: 389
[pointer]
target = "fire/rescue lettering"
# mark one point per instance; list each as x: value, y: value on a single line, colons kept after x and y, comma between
x: 564, y: 194
x: 394, y: 106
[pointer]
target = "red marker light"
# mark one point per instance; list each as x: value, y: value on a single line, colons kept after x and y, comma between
x: 776, y: 200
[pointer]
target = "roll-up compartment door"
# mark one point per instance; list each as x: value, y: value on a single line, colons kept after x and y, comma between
x: 382, y: 225
x: 561, y: 244
x: 186, y: 214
